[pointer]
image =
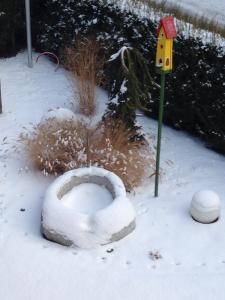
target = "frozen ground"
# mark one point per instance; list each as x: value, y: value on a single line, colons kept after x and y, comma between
x: 169, y: 256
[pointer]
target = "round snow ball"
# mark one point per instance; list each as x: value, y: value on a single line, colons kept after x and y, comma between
x: 205, y: 206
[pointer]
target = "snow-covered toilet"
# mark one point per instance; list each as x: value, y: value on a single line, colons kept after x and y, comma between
x: 87, y: 207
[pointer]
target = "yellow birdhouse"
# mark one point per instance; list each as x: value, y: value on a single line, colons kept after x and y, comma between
x: 166, y: 33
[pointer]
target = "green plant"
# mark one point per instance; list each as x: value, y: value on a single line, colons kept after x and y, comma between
x: 130, y: 85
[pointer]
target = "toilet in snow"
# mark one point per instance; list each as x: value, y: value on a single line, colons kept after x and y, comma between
x: 87, y: 207
x: 205, y: 207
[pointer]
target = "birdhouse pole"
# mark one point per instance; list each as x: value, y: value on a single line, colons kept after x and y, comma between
x: 160, y: 122
x: 164, y: 64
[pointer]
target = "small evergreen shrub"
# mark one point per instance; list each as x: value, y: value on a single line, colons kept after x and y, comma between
x: 64, y: 21
x: 130, y: 84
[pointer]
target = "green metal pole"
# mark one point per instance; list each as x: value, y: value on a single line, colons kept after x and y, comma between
x: 160, y: 121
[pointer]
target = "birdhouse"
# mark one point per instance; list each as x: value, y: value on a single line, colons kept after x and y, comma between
x: 165, y: 33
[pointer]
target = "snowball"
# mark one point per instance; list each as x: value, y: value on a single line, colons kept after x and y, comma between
x: 205, y: 206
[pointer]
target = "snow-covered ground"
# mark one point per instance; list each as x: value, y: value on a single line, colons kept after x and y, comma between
x: 213, y: 9
x: 203, y: 9
x: 169, y: 256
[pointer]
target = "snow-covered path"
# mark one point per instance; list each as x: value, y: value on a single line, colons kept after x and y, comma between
x: 192, y: 263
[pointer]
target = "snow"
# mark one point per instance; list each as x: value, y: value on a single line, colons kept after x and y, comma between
x: 123, y: 88
x: 119, y: 53
x: 61, y: 114
x: 205, y: 206
x: 64, y: 114
x: 207, y: 199
x: 204, y: 9
x: 87, y: 198
x: 192, y: 263
x: 87, y: 230
x: 212, y: 9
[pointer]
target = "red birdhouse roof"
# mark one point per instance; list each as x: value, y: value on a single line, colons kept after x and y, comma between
x: 169, y: 27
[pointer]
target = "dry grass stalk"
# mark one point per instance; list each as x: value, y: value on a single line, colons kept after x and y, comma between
x: 85, y: 67
x: 113, y: 148
x: 59, y: 146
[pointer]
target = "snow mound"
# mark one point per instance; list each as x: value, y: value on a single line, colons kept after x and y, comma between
x: 64, y: 114
x: 205, y: 206
x: 87, y: 198
x: 69, y: 221
x: 60, y: 114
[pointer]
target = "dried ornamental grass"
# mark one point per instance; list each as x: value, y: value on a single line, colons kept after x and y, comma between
x: 59, y: 146
x: 85, y: 66
x: 113, y: 147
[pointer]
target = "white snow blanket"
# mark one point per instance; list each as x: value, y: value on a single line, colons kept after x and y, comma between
x: 192, y: 263
x: 212, y: 9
